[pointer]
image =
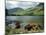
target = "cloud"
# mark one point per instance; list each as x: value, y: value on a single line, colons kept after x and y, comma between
x: 24, y: 5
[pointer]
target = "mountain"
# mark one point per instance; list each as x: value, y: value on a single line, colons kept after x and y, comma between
x: 34, y: 11
x: 14, y: 11
x: 41, y: 4
x: 37, y: 11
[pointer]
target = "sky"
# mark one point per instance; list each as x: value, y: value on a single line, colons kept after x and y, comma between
x: 24, y: 5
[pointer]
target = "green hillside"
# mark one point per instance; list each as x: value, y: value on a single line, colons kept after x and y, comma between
x: 31, y: 11
x: 35, y: 11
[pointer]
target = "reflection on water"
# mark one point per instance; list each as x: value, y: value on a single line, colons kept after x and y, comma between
x: 24, y: 24
x: 24, y: 18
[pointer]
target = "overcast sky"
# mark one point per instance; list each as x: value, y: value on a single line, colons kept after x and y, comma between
x: 24, y: 5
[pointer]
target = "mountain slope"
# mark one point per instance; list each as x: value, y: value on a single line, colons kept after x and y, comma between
x: 15, y: 11
x: 37, y: 11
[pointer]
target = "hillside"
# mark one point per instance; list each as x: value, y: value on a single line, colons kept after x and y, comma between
x: 14, y: 11
x: 31, y: 11
x: 38, y: 10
